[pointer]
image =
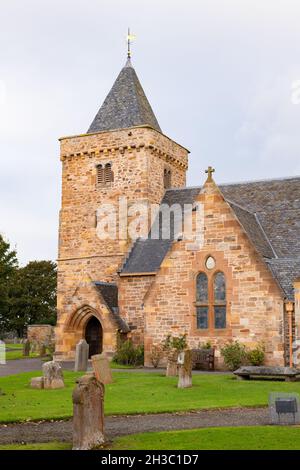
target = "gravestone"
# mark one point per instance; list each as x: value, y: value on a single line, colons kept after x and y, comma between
x: 101, y: 368
x: 284, y: 408
x: 81, y: 356
x: 26, y: 348
x: 185, y: 363
x: 88, y: 415
x: 172, y: 366
x: 53, y: 375
x: 2, y: 353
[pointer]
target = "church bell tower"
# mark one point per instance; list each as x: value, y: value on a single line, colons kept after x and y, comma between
x: 123, y: 154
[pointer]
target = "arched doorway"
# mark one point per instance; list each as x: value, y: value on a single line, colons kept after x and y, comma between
x: 94, y: 336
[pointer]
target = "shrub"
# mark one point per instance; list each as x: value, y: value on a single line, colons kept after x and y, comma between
x: 206, y: 345
x: 234, y: 354
x: 156, y: 355
x: 256, y: 356
x: 179, y: 343
x: 128, y: 354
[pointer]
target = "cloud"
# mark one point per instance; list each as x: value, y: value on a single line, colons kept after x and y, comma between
x: 270, y: 130
x: 218, y: 74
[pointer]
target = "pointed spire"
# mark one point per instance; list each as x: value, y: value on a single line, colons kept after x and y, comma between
x: 125, y: 106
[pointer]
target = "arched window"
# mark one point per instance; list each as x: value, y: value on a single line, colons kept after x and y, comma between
x: 100, y: 175
x: 219, y: 301
x: 211, y: 301
x: 202, y: 302
x: 167, y: 178
x: 104, y: 174
x: 108, y: 174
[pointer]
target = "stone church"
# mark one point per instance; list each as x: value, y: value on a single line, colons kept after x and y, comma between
x: 241, y: 283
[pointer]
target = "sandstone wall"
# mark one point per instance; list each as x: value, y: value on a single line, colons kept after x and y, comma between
x: 138, y: 157
x: 40, y: 334
x: 254, y: 301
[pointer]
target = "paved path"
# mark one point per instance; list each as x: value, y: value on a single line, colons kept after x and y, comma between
x: 20, y: 365
x: 123, y: 425
x: 29, y: 365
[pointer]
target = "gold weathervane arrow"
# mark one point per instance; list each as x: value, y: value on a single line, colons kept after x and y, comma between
x: 129, y: 38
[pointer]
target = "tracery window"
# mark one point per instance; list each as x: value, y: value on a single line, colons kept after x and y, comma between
x: 211, y: 301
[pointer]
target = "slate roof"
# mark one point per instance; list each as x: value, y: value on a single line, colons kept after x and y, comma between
x: 268, y: 211
x: 285, y: 271
x: 109, y: 293
x: 125, y: 106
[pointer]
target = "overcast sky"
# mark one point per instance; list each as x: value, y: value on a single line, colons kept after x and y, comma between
x: 218, y: 74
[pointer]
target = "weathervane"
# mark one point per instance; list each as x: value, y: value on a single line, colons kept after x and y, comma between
x: 130, y: 38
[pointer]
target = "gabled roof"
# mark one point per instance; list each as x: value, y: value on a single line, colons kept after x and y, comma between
x: 268, y: 211
x: 109, y: 293
x: 125, y: 106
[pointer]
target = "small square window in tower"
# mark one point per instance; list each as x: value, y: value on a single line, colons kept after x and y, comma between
x: 167, y: 178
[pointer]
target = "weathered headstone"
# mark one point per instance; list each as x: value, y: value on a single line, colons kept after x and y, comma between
x: 101, y: 368
x: 185, y: 364
x: 88, y: 415
x: 81, y: 356
x: 53, y: 375
x: 172, y: 366
x: 2, y: 353
x: 26, y: 348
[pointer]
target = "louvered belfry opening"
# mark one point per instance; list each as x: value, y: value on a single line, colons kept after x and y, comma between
x: 108, y: 174
x: 105, y: 174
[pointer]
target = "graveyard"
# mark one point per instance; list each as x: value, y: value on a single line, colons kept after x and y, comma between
x: 223, y: 403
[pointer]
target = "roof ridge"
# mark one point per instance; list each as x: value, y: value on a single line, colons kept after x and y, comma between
x: 238, y: 205
x: 265, y: 235
x: 267, y: 180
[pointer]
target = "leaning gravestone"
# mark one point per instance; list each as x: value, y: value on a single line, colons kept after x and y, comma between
x: 101, y: 368
x: 81, y: 356
x: 88, y: 415
x: 53, y: 375
x: 185, y: 364
x: 26, y: 348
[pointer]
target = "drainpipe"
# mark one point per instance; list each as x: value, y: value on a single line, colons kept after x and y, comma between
x: 289, y: 308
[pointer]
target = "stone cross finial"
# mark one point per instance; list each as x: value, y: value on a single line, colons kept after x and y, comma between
x: 210, y: 170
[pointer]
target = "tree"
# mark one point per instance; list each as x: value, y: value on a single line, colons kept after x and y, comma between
x: 32, y: 296
x: 8, y: 267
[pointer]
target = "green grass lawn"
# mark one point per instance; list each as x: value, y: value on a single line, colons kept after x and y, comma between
x: 114, y: 365
x: 18, y: 354
x: 230, y: 438
x: 14, y: 345
x: 38, y: 446
x: 135, y: 392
